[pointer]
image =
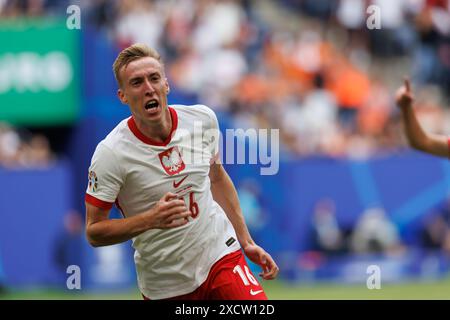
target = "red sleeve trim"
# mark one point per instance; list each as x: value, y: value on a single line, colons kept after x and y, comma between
x: 448, y: 143
x: 98, y: 203
x: 120, y: 208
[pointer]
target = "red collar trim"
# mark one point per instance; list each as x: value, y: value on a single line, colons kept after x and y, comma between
x: 133, y: 127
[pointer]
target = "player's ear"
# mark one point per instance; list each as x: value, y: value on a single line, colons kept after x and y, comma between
x: 122, y: 96
x: 166, y: 84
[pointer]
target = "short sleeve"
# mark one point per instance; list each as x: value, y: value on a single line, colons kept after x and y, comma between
x: 104, y: 179
x: 212, y: 135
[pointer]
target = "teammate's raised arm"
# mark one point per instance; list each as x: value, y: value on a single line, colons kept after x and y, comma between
x: 417, y: 138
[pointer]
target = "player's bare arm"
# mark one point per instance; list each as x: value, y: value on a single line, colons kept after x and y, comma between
x: 224, y: 193
x: 169, y: 212
x: 417, y: 137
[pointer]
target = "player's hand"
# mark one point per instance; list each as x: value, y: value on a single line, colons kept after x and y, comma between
x: 259, y: 256
x: 169, y: 212
x: 404, y: 96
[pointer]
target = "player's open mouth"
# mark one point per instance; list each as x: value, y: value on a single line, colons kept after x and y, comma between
x: 152, y: 104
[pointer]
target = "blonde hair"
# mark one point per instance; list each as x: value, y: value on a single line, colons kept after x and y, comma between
x: 132, y: 53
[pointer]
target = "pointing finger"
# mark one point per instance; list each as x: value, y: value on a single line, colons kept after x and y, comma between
x: 407, y: 85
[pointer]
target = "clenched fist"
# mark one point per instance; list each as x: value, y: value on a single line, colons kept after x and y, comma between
x: 168, y: 212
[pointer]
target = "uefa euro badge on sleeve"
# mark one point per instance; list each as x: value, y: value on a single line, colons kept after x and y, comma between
x: 92, y: 181
x: 171, y: 161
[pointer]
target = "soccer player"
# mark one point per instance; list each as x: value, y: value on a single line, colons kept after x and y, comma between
x: 419, y: 139
x: 179, y: 206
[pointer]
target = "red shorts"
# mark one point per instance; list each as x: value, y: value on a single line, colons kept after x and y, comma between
x: 230, y: 278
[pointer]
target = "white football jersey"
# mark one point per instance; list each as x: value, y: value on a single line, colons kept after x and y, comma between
x: 134, y: 172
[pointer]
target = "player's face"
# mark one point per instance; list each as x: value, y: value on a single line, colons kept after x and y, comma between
x: 144, y: 88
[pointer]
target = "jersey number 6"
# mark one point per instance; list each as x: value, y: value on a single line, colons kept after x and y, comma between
x: 193, y: 206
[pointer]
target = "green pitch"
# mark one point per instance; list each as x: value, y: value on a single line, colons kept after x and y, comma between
x: 439, y: 289
x: 277, y: 290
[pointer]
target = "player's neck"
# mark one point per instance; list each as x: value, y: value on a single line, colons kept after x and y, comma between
x: 157, y: 131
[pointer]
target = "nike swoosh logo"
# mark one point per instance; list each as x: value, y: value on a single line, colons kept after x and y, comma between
x: 176, y: 185
x: 254, y: 293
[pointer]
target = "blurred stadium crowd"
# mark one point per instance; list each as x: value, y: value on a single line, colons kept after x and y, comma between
x: 310, y: 68
x: 23, y: 149
x: 374, y: 232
